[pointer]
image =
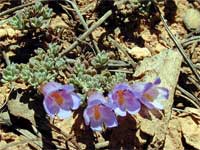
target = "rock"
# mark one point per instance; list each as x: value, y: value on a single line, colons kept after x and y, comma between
x: 190, y: 130
x: 139, y: 53
x: 3, y: 33
x: 174, y: 132
x: 159, y: 48
x: 191, y: 19
x: 165, y: 65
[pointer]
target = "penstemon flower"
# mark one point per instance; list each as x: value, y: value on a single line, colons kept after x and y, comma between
x: 59, y: 99
x: 99, y: 113
x: 150, y: 94
x: 124, y: 100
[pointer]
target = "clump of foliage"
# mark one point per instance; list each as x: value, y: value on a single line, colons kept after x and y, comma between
x: 45, y: 66
x: 11, y: 73
x: 100, y: 61
x: 37, y: 16
x: 41, y: 68
x: 140, y: 6
x: 99, y: 82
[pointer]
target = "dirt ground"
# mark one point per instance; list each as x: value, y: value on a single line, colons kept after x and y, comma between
x: 132, y: 34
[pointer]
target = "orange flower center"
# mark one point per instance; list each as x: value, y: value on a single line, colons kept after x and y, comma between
x: 148, y: 97
x: 57, y: 97
x: 97, y: 114
x: 120, y: 95
x: 151, y: 94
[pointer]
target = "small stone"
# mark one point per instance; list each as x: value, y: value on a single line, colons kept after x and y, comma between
x: 3, y: 33
x: 11, y: 32
x: 117, y: 31
x: 159, y: 47
x: 180, y: 105
x: 139, y: 53
x: 191, y: 19
x: 57, y: 22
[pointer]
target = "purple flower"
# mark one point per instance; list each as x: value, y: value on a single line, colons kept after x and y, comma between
x: 150, y: 94
x: 99, y: 113
x: 124, y: 100
x: 59, y: 99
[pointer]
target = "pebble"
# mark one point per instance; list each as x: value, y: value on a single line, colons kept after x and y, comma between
x: 139, y: 53
x: 191, y: 19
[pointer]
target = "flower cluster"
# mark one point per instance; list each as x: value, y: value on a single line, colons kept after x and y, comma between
x: 101, y: 111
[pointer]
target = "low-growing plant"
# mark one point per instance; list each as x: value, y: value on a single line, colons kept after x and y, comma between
x: 11, y: 73
x: 41, y: 68
x: 102, y: 82
x: 36, y: 16
x: 100, y: 61
x: 140, y: 6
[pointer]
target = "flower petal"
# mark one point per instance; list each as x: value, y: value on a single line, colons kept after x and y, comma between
x: 86, y: 116
x: 62, y: 114
x: 121, y: 86
x: 139, y: 88
x: 67, y: 101
x: 50, y: 87
x: 163, y: 93
x: 96, y: 128
x: 147, y: 103
x: 50, y: 106
x: 76, y: 101
x: 157, y: 81
x: 120, y: 112
x: 96, y: 125
x: 157, y: 105
x: 96, y: 98
x: 109, y: 117
x: 110, y: 97
x: 68, y: 88
x: 133, y: 106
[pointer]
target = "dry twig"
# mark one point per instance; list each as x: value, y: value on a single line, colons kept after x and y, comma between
x: 177, y: 43
x: 180, y: 48
x: 88, y: 32
x: 5, y: 58
x: 15, y: 8
x: 102, y: 145
x: 191, y: 40
x: 9, y: 145
x: 195, y: 101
